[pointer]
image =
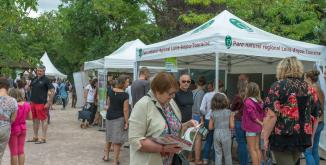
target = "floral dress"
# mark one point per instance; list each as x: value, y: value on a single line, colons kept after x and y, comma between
x: 175, y: 127
x: 294, y: 103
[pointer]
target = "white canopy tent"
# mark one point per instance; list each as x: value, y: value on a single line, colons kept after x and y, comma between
x: 124, y: 58
x: 229, y: 43
x: 95, y: 64
x: 231, y: 40
x: 51, y: 70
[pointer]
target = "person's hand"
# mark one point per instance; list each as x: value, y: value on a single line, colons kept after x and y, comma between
x: 47, y: 106
x: 192, y: 123
x: 170, y: 149
x: 126, y: 126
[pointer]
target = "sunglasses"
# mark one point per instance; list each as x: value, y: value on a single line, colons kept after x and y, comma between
x: 184, y: 81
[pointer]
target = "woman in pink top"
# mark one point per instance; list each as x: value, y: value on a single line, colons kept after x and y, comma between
x: 18, y: 128
x: 252, y: 121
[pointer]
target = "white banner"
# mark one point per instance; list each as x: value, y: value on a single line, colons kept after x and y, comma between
x: 80, y: 80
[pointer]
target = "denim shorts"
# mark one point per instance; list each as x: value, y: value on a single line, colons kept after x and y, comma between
x: 252, y: 133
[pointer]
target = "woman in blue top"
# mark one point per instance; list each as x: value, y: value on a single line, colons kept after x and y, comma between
x: 63, y: 94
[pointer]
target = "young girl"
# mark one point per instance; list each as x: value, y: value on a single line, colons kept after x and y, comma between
x: 18, y: 128
x: 222, y: 119
x: 252, y: 121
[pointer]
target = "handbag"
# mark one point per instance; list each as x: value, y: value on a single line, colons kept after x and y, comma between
x: 203, y: 131
x: 85, y: 113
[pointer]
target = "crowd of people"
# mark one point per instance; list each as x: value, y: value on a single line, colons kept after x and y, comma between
x: 23, y: 100
x: 285, y: 123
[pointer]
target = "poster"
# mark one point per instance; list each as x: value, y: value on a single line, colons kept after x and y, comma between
x: 102, y: 83
x: 80, y: 81
x: 171, y: 64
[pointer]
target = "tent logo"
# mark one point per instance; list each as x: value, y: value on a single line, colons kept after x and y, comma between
x: 240, y: 25
x: 204, y: 26
x: 228, y: 41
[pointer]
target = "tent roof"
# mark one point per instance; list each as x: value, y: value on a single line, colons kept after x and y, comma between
x: 228, y: 34
x: 124, y: 57
x: 95, y: 64
x: 51, y: 70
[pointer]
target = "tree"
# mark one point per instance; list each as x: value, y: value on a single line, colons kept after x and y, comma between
x: 296, y: 19
x: 93, y: 29
x: 12, y: 15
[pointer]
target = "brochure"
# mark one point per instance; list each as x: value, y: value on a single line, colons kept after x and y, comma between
x: 186, y: 142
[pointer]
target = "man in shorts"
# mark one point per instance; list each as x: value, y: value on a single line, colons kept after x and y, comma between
x: 42, y: 92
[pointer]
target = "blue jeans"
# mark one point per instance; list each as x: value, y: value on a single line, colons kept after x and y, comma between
x: 242, y: 146
x: 311, y: 153
x: 209, y: 148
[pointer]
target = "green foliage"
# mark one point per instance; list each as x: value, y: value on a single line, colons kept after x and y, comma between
x: 296, y: 19
x: 5, y: 71
x: 12, y: 18
x: 83, y: 30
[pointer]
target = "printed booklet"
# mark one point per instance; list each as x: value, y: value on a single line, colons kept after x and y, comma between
x: 186, y: 142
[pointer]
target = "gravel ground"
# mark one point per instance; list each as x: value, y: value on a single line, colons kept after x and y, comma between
x: 68, y: 144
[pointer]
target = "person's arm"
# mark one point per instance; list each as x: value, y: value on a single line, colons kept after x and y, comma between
x: 107, y: 103
x: 85, y: 95
x: 13, y: 116
x: 50, y: 95
x: 126, y: 113
x: 270, y: 119
x: 29, y: 114
x: 49, y: 98
x: 268, y: 126
x: 252, y: 113
x: 203, y: 106
x: 211, y: 123
x: 232, y: 120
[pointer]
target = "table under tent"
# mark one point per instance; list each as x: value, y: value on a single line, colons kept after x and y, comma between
x: 230, y: 46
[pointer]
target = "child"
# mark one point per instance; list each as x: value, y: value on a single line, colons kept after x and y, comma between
x: 18, y: 128
x: 252, y: 121
x: 221, y: 121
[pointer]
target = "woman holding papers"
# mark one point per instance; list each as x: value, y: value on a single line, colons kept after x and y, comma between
x: 156, y: 115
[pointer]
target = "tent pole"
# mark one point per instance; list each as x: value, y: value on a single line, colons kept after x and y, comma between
x: 135, y: 71
x: 216, y: 70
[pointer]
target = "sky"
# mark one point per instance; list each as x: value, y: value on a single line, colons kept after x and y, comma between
x: 45, y: 5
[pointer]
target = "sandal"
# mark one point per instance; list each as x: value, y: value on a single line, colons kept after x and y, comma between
x: 34, y: 139
x: 106, y: 155
x: 106, y: 159
x: 41, y: 141
x: 199, y: 162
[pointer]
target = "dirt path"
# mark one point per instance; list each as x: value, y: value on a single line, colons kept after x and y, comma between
x: 67, y: 144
